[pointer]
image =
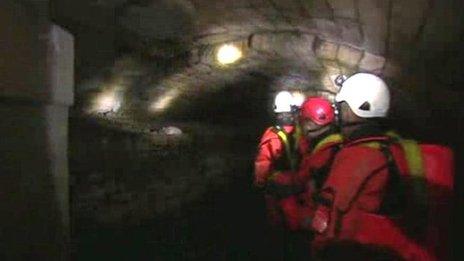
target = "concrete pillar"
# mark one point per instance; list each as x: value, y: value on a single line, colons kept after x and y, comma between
x: 36, y: 89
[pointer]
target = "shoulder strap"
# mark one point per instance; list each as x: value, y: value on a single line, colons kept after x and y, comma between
x: 412, y: 153
x: 333, y: 138
x: 320, y: 175
x: 406, y: 196
x: 395, y: 194
x: 290, y: 147
x: 297, y: 136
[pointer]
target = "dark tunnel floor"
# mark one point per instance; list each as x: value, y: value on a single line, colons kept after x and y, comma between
x: 227, y: 225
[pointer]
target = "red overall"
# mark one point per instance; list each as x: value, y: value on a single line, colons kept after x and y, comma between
x: 350, y: 200
x: 272, y: 163
x: 439, y: 172
x: 270, y: 150
x: 313, y: 163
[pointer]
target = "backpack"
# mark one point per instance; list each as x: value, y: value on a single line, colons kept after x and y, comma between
x: 425, y: 194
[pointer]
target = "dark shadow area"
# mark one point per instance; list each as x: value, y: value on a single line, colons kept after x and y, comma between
x: 107, y: 32
x: 241, y: 104
x: 225, y: 225
x: 225, y: 221
x: 216, y: 215
x: 353, y: 251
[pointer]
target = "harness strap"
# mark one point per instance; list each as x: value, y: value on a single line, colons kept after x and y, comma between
x: 290, y: 144
x: 320, y: 175
x: 329, y: 139
x: 413, y: 155
x: 398, y: 190
x: 395, y: 196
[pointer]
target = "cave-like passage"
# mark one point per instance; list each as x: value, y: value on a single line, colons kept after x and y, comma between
x: 168, y: 100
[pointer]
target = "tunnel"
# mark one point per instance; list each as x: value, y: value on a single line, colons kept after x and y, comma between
x: 129, y: 127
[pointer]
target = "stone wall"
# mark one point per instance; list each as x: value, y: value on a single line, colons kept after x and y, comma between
x: 400, y: 40
x: 36, y: 89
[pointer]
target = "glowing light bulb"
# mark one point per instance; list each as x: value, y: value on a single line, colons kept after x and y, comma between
x: 107, y: 102
x: 164, y: 100
x: 228, y: 54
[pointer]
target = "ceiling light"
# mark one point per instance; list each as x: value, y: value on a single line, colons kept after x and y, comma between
x: 162, y: 102
x: 107, y: 102
x: 228, y: 54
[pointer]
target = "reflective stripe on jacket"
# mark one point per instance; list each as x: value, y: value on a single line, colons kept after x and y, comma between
x: 355, y: 190
x: 275, y: 150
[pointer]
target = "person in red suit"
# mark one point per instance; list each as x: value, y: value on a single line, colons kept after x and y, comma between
x: 360, y: 199
x: 276, y: 165
x: 317, y: 121
x: 278, y: 156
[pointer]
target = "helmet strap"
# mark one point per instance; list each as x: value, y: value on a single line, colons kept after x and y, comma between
x: 338, y: 115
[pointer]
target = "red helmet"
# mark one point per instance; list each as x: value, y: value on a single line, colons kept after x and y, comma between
x: 318, y: 110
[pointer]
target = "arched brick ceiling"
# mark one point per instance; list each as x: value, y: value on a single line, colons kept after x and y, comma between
x: 172, y: 44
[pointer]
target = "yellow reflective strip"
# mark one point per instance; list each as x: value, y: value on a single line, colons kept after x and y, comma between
x: 297, y: 136
x: 288, y: 150
x: 328, y: 139
x: 274, y: 175
x: 291, y: 155
x: 372, y: 144
x: 393, y: 134
x: 283, y: 137
x: 414, y: 157
x: 412, y: 153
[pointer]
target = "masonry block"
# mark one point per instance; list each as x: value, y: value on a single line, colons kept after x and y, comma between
x: 325, y: 49
x: 349, y: 55
x: 371, y: 62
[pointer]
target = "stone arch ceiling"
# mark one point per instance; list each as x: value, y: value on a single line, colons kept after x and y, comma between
x: 168, y: 46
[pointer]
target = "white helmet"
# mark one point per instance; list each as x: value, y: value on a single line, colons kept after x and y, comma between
x: 366, y: 94
x: 283, y: 102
